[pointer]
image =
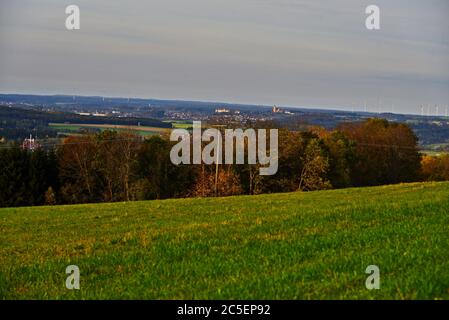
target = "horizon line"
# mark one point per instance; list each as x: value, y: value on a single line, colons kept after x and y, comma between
x: 316, y: 108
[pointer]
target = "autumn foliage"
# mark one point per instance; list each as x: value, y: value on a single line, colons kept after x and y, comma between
x: 112, y: 166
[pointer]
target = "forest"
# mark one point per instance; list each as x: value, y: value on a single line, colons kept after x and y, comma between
x: 118, y: 166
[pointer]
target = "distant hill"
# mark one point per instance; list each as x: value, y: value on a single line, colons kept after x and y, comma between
x: 432, y: 130
x: 17, y: 123
x: 65, y: 117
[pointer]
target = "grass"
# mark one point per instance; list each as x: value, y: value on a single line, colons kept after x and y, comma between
x: 436, y: 149
x: 434, y: 153
x: 140, y: 130
x: 284, y: 246
x: 181, y: 124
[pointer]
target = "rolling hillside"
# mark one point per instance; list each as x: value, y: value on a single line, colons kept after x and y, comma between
x: 281, y: 246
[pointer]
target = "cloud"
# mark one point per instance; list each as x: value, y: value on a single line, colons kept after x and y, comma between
x: 265, y: 51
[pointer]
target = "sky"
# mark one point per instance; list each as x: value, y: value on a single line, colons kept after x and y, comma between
x: 304, y: 53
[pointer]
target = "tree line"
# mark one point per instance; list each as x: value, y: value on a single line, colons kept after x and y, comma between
x: 119, y: 166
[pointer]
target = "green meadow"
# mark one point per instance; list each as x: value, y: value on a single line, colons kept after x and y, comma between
x: 75, y: 128
x: 313, y: 245
x: 181, y: 124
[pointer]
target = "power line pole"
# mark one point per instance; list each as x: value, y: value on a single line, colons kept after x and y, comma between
x: 216, y: 168
x: 218, y: 157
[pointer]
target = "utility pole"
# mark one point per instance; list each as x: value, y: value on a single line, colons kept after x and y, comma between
x: 219, y: 142
x: 216, y: 168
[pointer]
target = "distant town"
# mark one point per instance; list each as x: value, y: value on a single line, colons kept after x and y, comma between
x: 431, y: 129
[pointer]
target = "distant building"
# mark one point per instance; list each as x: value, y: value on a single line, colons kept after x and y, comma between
x: 276, y: 109
x: 30, y: 144
x: 222, y: 110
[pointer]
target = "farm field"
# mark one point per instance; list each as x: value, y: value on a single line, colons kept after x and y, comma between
x: 313, y: 245
x: 140, y: 130
x: 181, y: 124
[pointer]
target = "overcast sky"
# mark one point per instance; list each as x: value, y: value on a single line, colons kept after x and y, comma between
x: 286, y: 52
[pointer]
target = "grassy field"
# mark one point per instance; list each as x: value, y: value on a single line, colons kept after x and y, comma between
x: 140, y: 130
x: 434, y: 153
x: 181, y: 124
x: 436, y: 149
x: 283, y: 246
